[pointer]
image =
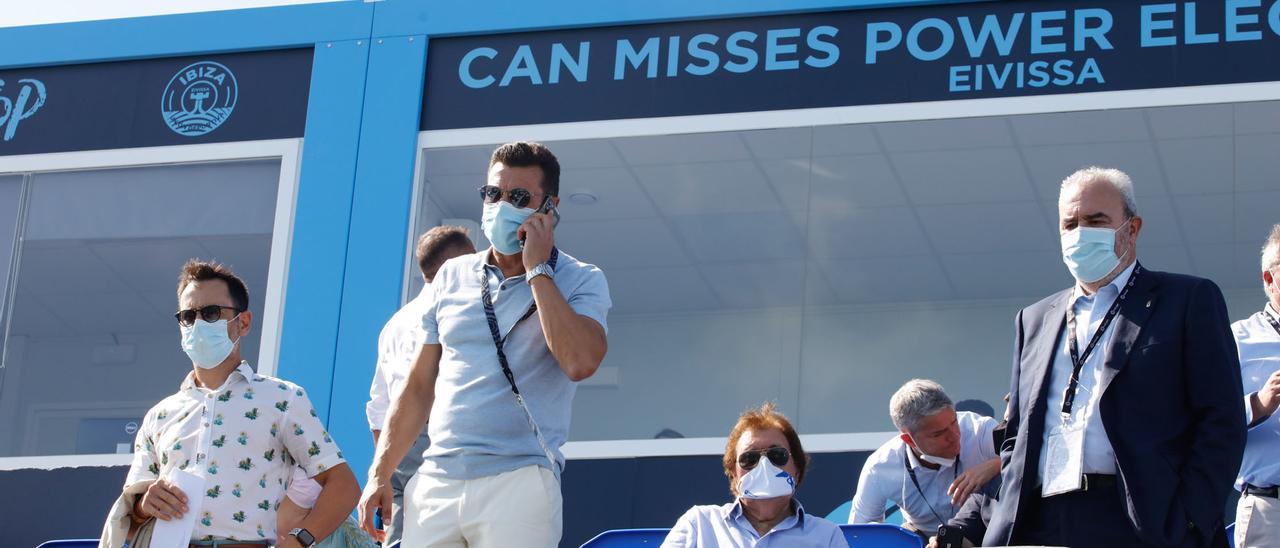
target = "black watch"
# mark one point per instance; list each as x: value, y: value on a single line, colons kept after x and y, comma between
x: 304, y: 537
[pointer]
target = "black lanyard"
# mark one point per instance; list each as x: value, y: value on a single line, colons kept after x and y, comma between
x: 912, y: 472
x: 1271, y: 319
x: 498, y: 339
x: 1077, y: 359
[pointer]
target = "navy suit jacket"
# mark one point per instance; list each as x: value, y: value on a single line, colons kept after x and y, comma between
x: 1171, y: 404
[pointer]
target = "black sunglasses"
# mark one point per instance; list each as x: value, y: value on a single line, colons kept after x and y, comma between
x: 518, y: 197
x: 211, y: 313
x: 777, y: 455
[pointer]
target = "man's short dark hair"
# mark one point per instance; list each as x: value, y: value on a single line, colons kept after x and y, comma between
x: 197, y: 270
x: 434, y: 244
x: 525, y: 154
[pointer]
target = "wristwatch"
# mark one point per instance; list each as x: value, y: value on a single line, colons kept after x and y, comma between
x: 543, y: 269
x: 304, y: 537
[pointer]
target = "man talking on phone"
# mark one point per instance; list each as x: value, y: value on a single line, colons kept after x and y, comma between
x: 511, y: 330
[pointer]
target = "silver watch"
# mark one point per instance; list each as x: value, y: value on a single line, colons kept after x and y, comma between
x: 543, y: 269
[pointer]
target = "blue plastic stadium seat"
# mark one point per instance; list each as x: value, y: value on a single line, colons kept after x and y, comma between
x: 74, y: 543
x: 1231, y: 534
x: 880, y: 535
x: 626, y: 538
x: 395, y: 544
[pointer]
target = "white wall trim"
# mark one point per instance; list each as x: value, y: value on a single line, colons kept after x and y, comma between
x: 616, y: 449
x: 55, y: 462
x: 963, y: 108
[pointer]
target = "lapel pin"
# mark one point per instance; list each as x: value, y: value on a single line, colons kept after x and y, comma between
x: 1148, y: 304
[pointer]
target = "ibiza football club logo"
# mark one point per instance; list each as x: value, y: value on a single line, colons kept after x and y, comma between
x: 199, y: 98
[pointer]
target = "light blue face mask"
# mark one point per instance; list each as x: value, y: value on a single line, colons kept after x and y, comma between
x: 1090, y: 253
x: 501, y: 223
x: 207, y: 343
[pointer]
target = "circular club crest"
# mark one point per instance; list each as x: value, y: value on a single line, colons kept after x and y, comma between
x: 199, y: 98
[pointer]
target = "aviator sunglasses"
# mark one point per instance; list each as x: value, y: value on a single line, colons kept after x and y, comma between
x: 518, y: 197
x: 777, y: 455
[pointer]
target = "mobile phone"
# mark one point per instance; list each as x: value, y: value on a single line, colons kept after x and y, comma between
x: 547, y: 206
x: 950, y: 536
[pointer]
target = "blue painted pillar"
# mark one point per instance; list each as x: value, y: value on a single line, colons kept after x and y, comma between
x: 321, y: 217
x: 380, y: 220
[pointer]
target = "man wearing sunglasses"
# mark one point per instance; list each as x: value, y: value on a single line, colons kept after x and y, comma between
x: 510, y: 331
x: 938, y: 460
x: 241, y: 433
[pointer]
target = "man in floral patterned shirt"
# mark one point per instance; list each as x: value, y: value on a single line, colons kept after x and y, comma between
x: 242, y: 432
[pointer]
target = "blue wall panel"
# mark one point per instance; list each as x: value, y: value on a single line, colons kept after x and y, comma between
x: 322, y: 217
x: 372, y: 285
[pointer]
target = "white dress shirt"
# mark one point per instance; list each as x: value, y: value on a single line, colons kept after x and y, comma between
x: 1098, y: 456
x: 398, y: 345
x: 884, y: 478
x: 1259, y: 347
x: 727, y: 527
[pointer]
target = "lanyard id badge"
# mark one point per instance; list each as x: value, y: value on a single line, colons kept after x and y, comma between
x: 1064, y: 459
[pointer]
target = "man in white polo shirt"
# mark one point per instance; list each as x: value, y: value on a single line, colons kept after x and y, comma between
x: 398, y: 346
x: 1258, y: 341
x: 939, y: 459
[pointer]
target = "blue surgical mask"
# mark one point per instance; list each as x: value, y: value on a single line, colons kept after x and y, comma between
x: 207, y: 344
x: 501, y: 223
x: 1090, y: 253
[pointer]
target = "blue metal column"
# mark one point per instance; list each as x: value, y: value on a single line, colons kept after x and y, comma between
x: 380, y: 219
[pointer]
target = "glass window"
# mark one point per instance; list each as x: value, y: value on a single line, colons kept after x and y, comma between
x: 824, y: 266
x: 92, y: 343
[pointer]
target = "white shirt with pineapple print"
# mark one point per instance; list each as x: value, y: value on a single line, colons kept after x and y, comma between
x: 245, y: 438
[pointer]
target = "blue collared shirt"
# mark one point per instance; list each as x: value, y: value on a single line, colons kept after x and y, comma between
x: 476, y: 427
x: 1259, y: 348
x: 1099, y: 457
x: 713, y: 526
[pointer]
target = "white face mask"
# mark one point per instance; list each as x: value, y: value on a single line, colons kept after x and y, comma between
x: 940, y: 461
x: 766, y: 481
x: 207, y: 344
x: 1090, y: 253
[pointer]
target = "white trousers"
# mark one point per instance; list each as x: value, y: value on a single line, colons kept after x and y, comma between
x: 1257, y: 522
x: 517, y: 508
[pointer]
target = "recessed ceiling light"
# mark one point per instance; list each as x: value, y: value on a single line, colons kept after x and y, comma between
x: 583, y: 198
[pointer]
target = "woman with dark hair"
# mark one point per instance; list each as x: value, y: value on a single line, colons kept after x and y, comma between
x: 765, y: 463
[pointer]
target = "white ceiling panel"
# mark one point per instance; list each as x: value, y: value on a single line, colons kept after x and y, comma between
x: 1191, y: 121
x: 683, y: 149
x: 1231, y: 266
x: 987, y: 227
x: 1258, y: 162
x: 61, y: 268
x: 790, y: 179
x: 618, y: 195
x: 622, y: 243
x: 719, y: 187
x: 32, y: 318
x: 1004, y: 274
x: 740, y: 237
x: 863, y: 233
x: 1051, y: 164
x: 958, y: 133
x: 841, y: 182
x: 775, y: 144
x: 660, y: 289
x: 886, y: 279
x: 1256, y: 213
x: 1097, y: 126
x: 458, y: 195
x: 582, y: 154
x: 1259, y: 117
x: 1207, y: 218
x: 1160, y: 224
x: 758, y: 284
x: 963, y: 176
x: 842, y: 140
x: 1199, y: 165
x: 124, y: 313
x: 457, y: 161
x: 1167, y: 258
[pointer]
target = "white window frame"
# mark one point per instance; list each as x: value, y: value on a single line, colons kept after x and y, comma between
x: 287, y: 151
x: 814, y: 117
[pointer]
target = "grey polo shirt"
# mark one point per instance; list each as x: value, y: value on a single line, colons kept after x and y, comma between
x: 476, y: 427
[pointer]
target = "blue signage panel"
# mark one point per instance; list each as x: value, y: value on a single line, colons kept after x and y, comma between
x: 862, y: 57
x: 155, y: 102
